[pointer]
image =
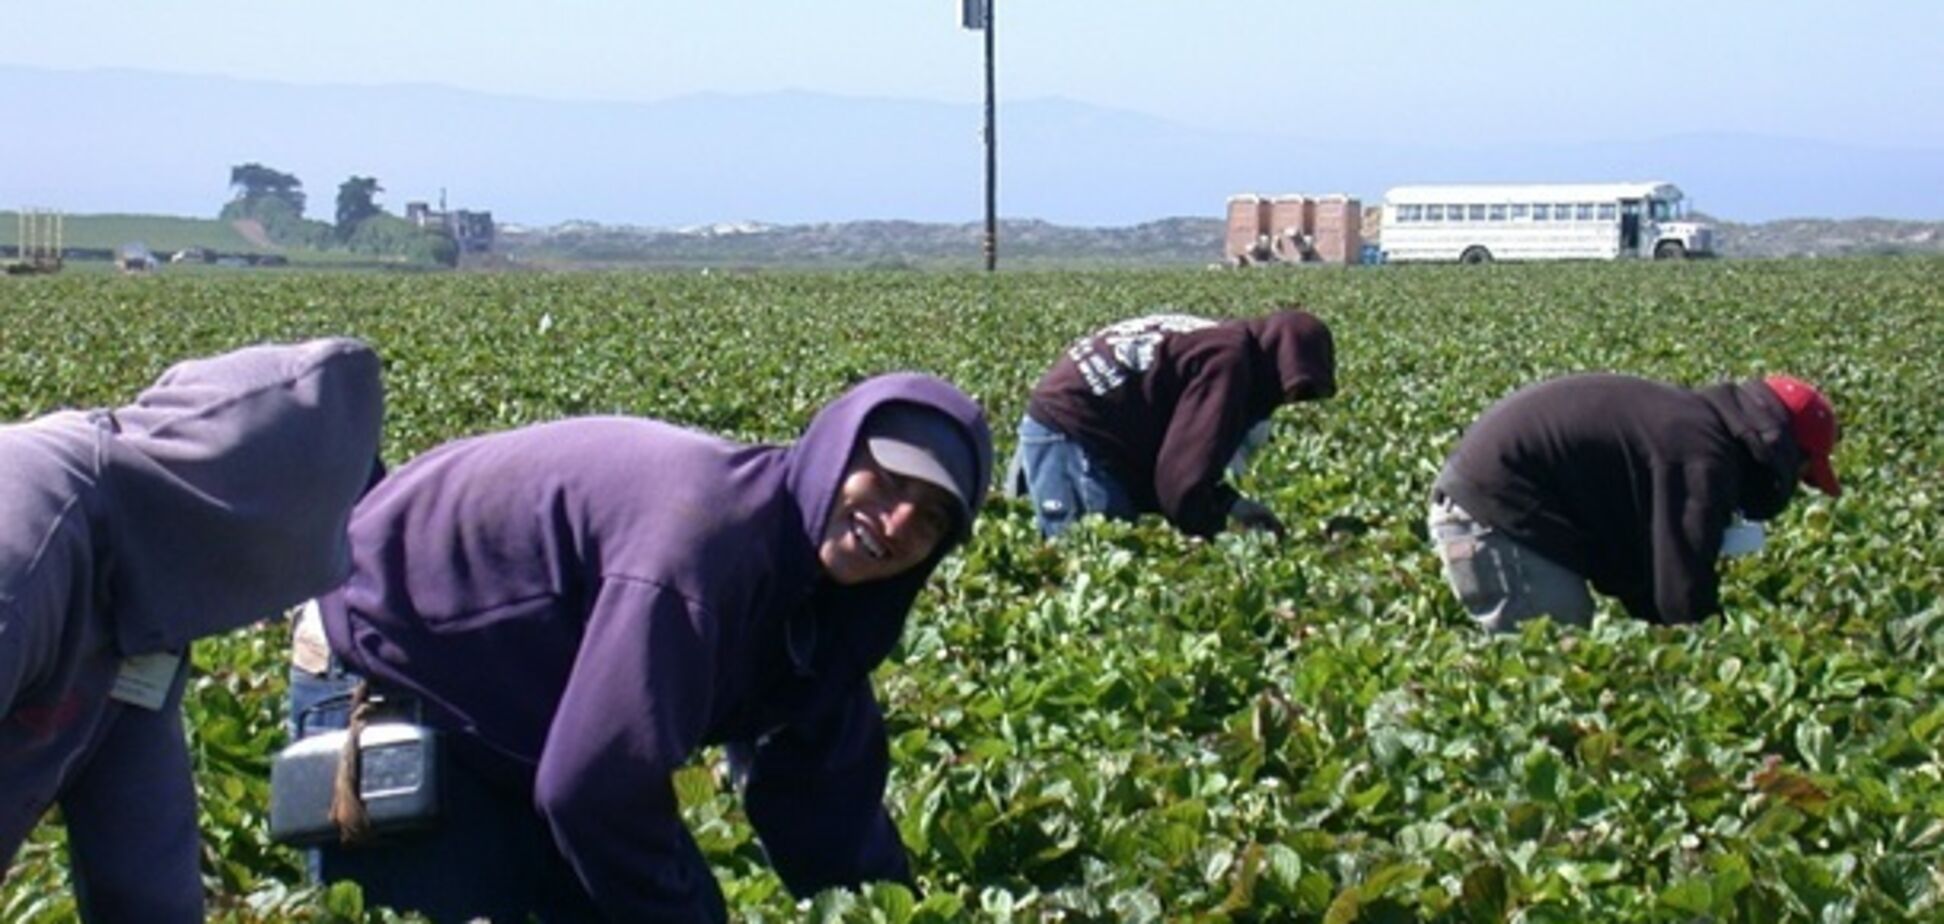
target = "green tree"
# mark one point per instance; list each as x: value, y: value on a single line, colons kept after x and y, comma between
x: 255, y: 183
x: 385, y: 235
x: 354, y: 204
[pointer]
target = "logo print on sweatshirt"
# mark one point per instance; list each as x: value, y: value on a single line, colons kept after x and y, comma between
x: 1130, y: 347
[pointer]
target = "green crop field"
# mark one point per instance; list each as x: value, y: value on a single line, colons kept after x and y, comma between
x: 163, y: 234
x: 1134, y: 726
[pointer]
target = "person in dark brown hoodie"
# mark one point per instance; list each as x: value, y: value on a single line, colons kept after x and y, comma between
x: 1147, y: 415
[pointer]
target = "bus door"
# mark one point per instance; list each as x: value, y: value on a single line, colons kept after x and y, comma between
x: 1630, y: 227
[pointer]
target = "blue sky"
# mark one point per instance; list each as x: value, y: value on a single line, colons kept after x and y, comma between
x: 1862, y: 71
x: 1110, y: 113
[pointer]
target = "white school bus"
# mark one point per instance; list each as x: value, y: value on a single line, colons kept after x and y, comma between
x: 1558, y: 221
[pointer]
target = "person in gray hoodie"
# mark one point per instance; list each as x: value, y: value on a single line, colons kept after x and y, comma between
x: 220, y: 495
x: 580, y: 606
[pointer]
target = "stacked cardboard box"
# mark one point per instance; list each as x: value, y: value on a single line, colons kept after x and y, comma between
x: 1289, y: 222
x: 1338, y: 229
x: 1299, y: 229
x: 1248, y: 219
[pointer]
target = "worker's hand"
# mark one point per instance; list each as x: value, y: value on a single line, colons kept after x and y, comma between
x: 1248, y: 514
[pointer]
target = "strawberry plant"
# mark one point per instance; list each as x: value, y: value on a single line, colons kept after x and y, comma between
x: 1132, y: 725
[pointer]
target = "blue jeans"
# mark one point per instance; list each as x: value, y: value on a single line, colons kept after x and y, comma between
x: 490, y: 855
x: 1502, y: 582
x: 1065, y: 482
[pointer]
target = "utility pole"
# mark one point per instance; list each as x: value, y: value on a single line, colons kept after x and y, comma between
x: 977, y: 14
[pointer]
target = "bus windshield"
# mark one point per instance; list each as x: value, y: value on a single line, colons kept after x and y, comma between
x: 1664, y: 210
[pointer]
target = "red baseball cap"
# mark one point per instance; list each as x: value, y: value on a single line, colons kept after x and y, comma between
x: 1813, y: 423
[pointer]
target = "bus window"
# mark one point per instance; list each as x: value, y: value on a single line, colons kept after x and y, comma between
x: 1520, y: 210
x: 1475, y: 212
x: 1583, y: 212
x: 1497, y: 213
x: 1541, y: 212
x: 1608, y: 211
x: 1434, y: 213
x: 1660, y: 209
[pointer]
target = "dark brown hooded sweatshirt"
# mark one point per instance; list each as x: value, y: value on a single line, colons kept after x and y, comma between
x: 1627, y: 481
x: 1163, y: 402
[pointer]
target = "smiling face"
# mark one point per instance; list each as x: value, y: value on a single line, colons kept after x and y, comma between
x: 882, y: 524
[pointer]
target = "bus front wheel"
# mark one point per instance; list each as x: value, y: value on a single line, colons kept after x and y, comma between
x: 1475, y: 255
x: 1670, y: 250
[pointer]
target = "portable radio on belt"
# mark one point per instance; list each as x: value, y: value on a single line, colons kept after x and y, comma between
x: 396, y: 777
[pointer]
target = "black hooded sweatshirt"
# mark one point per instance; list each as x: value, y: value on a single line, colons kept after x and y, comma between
x: 1627, y: 481
x: 1163, y: 402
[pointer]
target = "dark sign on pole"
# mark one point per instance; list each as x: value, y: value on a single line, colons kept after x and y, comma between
x: 977, y: 15
x: 992, y: 148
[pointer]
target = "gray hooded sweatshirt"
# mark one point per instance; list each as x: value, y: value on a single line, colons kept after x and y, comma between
x: 218, y: 498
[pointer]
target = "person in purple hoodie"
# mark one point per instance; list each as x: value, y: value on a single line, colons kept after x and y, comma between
x: 220, y: 495
x: 580, y: 606
x: 1148, y: 415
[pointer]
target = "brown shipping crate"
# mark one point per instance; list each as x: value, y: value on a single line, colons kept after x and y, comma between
x: 1247, y: 220
x: 1339, y: 229
x: 1290, y: 215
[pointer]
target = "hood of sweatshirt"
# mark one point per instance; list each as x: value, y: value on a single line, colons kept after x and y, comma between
x: 850, y: 629
x: 1760, y: 425
x: 228, y: 484
x: 1297, y: 357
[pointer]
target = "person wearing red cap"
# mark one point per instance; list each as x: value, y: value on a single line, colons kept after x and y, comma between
x: 1627, y: 484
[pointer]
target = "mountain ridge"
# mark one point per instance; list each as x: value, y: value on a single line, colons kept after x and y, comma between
x: 1178, y: 241
x: 126, y: 140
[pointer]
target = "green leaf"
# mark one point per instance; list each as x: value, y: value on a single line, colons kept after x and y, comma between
x: 893, y: 903
x: 1345, y: 908
x: 1543, y: 776
x: 832, y: 905
x: 1693, y: 896
x: 1484, y: 894
x: 1285, y: 866
x: 345, y: 900
x: 1910, y: 882
x: 1812, y: 742
x: 1388, y: 878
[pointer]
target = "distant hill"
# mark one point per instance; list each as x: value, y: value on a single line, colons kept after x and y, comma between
x: 86, y: 238
x: 867, y: 244
x: 1169, y: 242
x: 1815, y: 237
x: 905, y: 244
x: 75, y: 142
x: 164, y: 234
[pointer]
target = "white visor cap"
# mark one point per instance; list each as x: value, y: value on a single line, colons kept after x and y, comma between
x: 924, y: 444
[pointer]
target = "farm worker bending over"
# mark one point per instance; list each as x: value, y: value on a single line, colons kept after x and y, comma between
x: 1630, y: 484
x: 1146, y: 416
x: 581, y: 606
x: 220, y: 495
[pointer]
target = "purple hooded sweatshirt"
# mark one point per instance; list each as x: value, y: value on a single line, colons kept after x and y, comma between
x: 588, y: 602
x: 219, y: 497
